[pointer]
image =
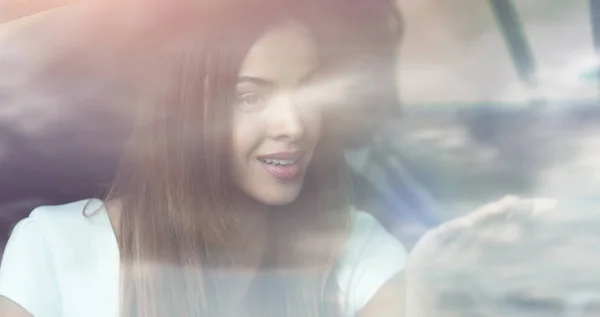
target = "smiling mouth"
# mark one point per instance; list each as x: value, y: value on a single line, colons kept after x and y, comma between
x: 283, y: 166
x: 279, y: 162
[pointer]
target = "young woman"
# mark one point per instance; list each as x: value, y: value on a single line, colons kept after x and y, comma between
x: 231, y: 199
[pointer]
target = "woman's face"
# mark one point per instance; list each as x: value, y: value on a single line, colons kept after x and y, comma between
x: 274, y: 132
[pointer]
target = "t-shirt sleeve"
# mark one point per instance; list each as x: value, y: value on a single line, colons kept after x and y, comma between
x: 27, y: 272
x: 373, y: 256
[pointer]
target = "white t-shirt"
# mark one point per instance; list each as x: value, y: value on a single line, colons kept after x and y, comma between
x: 60, y: 263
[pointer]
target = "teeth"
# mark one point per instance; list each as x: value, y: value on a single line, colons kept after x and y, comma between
x: 286, y: 162
x: 279, y: 162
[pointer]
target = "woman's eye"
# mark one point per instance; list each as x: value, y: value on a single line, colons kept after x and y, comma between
x: 250, y: 101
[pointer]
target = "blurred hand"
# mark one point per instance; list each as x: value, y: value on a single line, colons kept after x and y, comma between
x: 505, y: 212
x: 462, y: 266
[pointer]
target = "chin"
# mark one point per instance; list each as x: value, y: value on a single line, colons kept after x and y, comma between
x: 278, y: 198
x: 277, y: 195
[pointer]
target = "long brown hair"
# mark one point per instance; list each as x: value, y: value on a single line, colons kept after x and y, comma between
x: 174, y: 183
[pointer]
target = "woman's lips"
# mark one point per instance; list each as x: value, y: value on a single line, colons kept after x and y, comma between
x: 283, y: 172
x: 283, y: 165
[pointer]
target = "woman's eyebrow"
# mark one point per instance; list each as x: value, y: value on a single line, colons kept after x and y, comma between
x: 271, y: 83
x: 256, y: 81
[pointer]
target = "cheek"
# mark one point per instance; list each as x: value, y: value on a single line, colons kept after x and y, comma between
x: 246, y: 137
x: 313, y: 121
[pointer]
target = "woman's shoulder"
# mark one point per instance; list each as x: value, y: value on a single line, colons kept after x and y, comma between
x: 49, y: 244
x: 368, y: 235
x: 76, y: 213
x: 66, y: 223
x: 84, y: 207
x: 372, y: 257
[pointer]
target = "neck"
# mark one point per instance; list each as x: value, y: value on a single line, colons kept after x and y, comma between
x: 249, y: 231
x: 249, y: 215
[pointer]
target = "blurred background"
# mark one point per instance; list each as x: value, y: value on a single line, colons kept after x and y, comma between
x: 498, y: 97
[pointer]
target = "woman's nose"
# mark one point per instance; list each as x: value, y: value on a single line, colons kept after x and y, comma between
x: 284, y: 120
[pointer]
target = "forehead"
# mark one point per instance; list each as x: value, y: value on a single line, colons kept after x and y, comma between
x: 283, y: 54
